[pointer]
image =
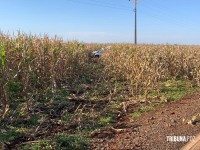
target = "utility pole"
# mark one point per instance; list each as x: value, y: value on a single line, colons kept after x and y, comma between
x: 135, y: 15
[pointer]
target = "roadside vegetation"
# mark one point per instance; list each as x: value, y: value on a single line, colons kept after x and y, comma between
x: 54, y: 96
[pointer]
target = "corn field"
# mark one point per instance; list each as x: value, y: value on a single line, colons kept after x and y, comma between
x: 32, y: 66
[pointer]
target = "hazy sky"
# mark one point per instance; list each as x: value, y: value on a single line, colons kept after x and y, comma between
x: 159, y: 21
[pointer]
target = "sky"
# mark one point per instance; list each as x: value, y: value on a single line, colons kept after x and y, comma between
x: 105, y: 21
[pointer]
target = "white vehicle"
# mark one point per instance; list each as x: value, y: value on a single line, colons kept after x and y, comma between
x: 97, y: 53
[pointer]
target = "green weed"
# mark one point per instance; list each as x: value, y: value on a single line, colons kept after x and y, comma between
x: 8, y: 135
x: 71, y: 142
x: 136, y: 114
x: 41, y: 145
x: 105, y: 120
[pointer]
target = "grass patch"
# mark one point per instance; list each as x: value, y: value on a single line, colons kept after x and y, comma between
x: 173, y: 90
x: 105, y: 120
x: 136, y: 114
x: 146, y: 109
x: 15, y: 88
x: 142, y: 110
x: 41, y: 145
x: 66, y: 117
x: 71, y: 142
x: 8, y: 135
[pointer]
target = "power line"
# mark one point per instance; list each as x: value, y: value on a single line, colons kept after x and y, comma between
x: 109, y: 3
x: 156, y: 16
x: 101, y: 5
x: 114, y: 6
x: 164, y: 13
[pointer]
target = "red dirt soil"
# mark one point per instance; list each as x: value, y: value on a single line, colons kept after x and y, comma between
x: 150, y: 131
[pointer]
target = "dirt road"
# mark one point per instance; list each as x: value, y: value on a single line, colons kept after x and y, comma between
x: 167, y: 128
